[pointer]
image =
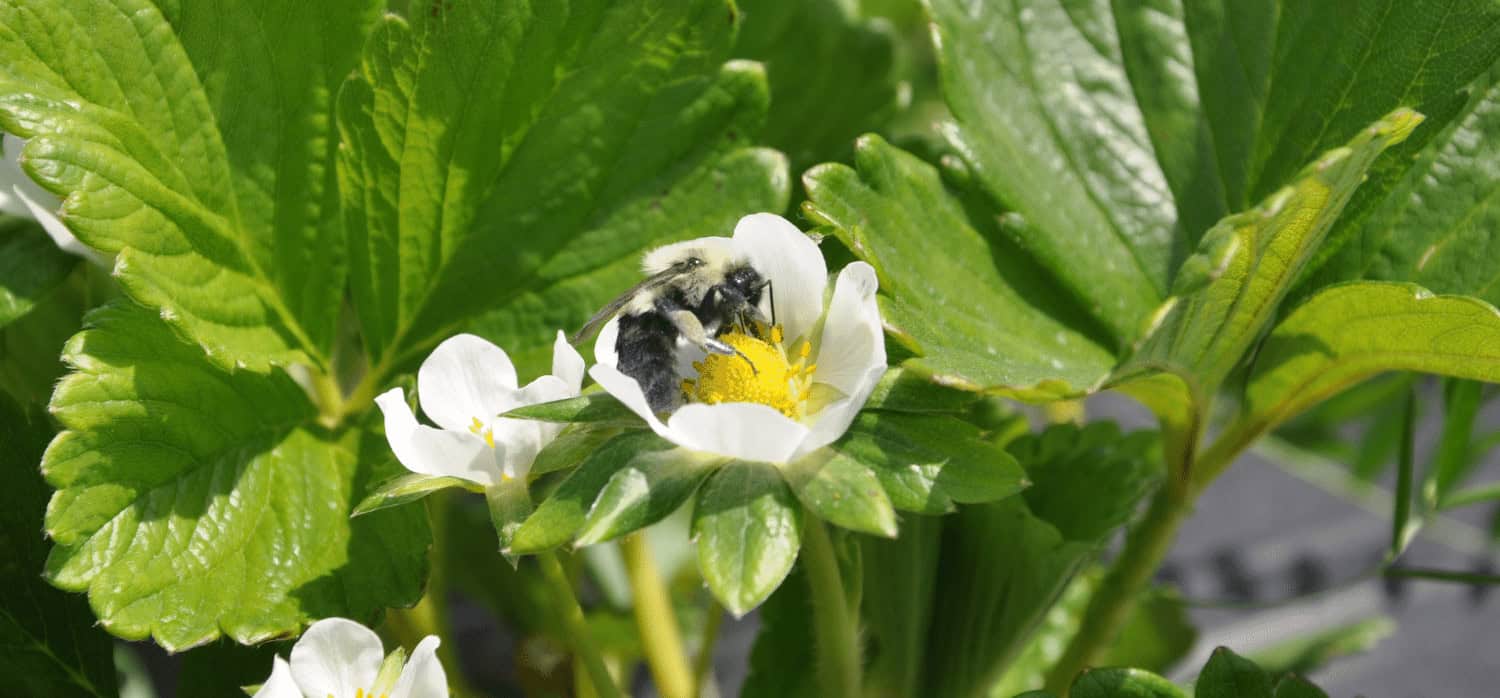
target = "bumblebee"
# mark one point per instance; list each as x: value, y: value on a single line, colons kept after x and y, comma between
x: 694, y: 291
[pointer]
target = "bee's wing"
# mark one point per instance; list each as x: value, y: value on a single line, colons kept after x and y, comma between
x: 658, y: 279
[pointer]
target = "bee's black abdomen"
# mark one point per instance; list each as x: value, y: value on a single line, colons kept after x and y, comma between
x: 647, y: 349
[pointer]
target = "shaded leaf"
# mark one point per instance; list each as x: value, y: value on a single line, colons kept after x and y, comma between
x: 31, y: 267
x: 832, y: 75
x: 1003, y: 564
x: 51, y: 646
x: 783, y: 660
x: 1228, y: 675
x: 897, y: 609
x: 594, y: 408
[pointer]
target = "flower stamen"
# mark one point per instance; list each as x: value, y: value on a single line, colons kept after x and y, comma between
x: 759, y: 372
x: 479, y: 429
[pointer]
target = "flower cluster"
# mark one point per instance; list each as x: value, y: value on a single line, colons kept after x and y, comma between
x: 807, y: 376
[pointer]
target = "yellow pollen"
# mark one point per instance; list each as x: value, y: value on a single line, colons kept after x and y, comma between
x: 361, y: 693
x: 772, y: 381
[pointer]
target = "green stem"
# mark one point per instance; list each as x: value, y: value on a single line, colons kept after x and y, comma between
x: 705, y: 660
x: 1110, y: 606
x: 571, y: 613
x: 655, y: 621
x: 833, y: 625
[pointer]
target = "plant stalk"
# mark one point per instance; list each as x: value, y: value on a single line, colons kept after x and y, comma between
x: 579, y: 637
x: 655, y: 621
x: 833, y: 624
x: 705, y: 661
x: 1110, y: 606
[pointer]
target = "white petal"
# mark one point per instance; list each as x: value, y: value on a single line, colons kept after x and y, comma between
x: 604, y: 344
x: 834, y: 419
x: 280, y: 685
x: 335, y: 657
x: 517, y: 441
x: 567, y: 364
x: 423, y: 676
x: 851, y: 355
x: 745, y: 430
x: 792, y: 262
x: 853, y: 342
x: 423, y: 449
x: 628, y: 392
x: 465, y: 377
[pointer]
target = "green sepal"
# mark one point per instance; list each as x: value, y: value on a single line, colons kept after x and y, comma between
x: 562, y: 514
x: 593, y: 408
x: 748, y: 528
x: 926, y: 463
x: 656, y: 480
x: 407, y: 488
x: 843, y: 492
x: 509, y: 504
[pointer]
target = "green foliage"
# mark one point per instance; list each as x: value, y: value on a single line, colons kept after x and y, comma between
x: 1351, y: 332
x: 927, y: 463
x: 183, y: 486
x: 1001, y: 327
x: 556, y: 142
x: 984, y: 604
x: 832, y: 74
x: 205, y: 173
x: 1226, y: 675
x: 31, y: 267
x: 51, y: 646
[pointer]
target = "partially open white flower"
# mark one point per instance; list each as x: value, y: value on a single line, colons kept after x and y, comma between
x: 462, y: 386
x: 810, y: 377
x: 340, y: 658
x: 19, y: 196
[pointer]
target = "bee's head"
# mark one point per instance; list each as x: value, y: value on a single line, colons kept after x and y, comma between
x: 747, y: 281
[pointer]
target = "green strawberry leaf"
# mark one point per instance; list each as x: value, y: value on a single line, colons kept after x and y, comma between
x: 51, y: 646
x: 1228, y: 291
x: 1046, y: 121
x: 998, y: 326
x: 842, y: 492
x: 1351, y: 332
x: 31, y: 267
x: 1123, y: 683
x: 832, y: 75
x: 485, y: 136
x: 202, y: 158
x: 1436, y: 225
x: 181, y: 486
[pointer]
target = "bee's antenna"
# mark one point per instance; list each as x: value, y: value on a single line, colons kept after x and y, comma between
x: 772, y: 291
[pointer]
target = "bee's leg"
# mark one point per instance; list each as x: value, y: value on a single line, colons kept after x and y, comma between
x: 689, y: 326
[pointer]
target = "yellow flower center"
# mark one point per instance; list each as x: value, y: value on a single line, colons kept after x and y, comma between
x: 362, y: 693
x: 760, y: 372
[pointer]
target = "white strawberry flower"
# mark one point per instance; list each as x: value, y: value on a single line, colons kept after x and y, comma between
x: 19, y: 196
x: 340, y: 658
x: 810, y: 377
x: 463, y: 386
